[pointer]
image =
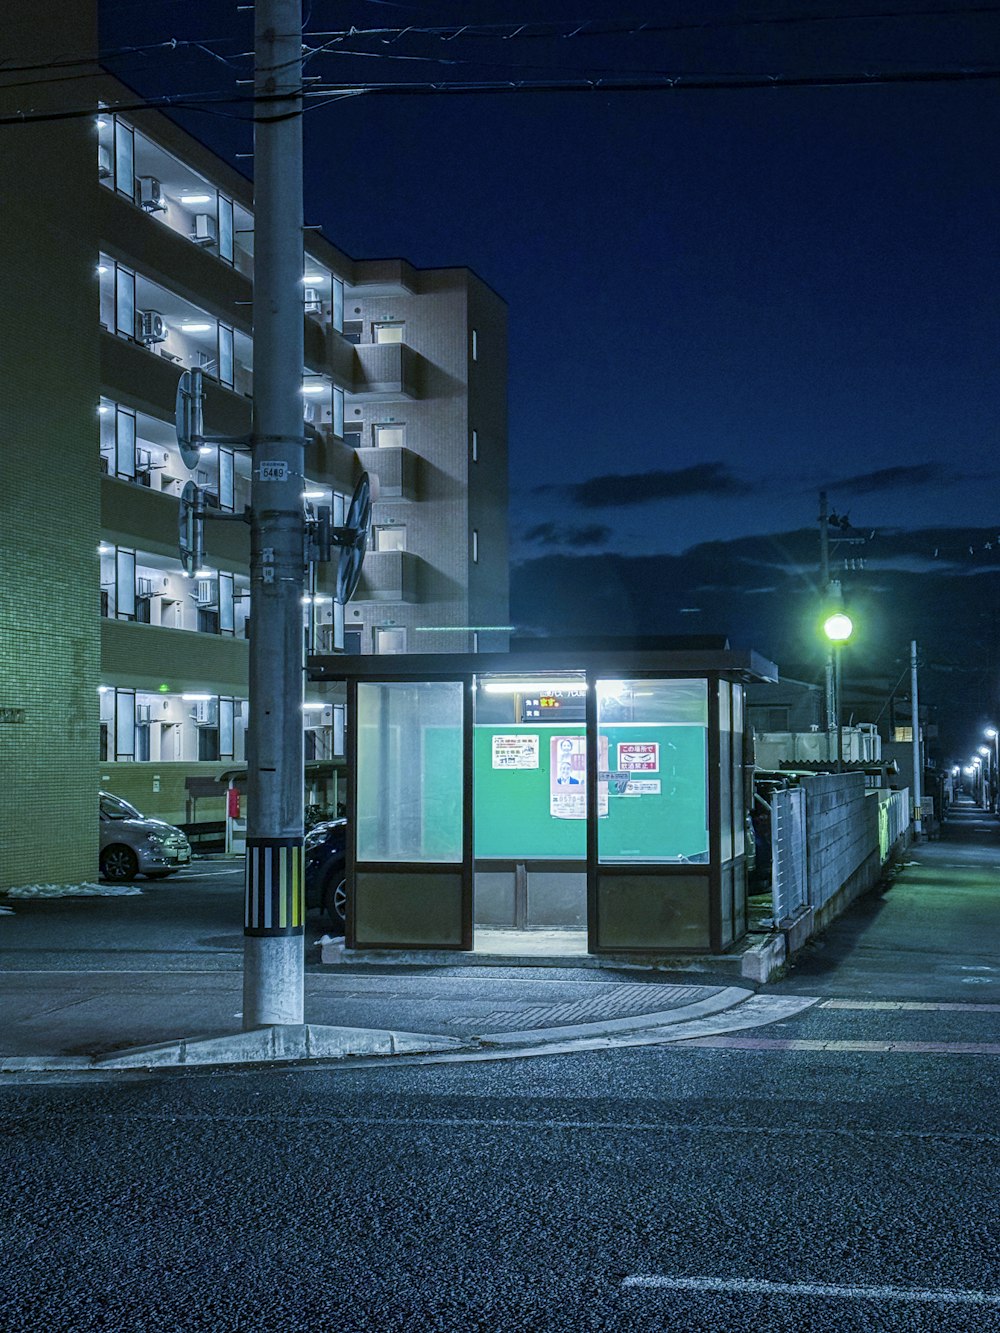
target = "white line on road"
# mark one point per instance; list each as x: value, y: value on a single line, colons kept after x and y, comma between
x: 919, y: 1005
x: 755, y: 1287
x: 869, y: 1047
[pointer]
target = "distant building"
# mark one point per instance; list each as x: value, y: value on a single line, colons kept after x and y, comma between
x: 128, y: 258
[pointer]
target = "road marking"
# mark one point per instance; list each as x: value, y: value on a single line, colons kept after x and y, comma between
x: 755, y: 1287
x: 879, y: 1047
x: 925, y: 1005
x: 361, y: 1123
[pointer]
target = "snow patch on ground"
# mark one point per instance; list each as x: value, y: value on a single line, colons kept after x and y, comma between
x: 85, y: 890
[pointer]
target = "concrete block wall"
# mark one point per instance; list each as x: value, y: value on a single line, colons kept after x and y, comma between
x: 49, y: 629
x: 841, y: 832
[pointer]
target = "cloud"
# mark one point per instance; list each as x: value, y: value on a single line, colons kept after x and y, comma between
x: 889, y: 478
x: 619, y: 489
x: 573, y: 535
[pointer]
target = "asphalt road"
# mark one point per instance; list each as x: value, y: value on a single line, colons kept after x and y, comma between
x: 836, y: 1170
x: 535, y: 1194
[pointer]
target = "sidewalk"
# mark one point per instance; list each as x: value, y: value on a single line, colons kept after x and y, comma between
x: 93, y: 1000
x: 90, y: 1019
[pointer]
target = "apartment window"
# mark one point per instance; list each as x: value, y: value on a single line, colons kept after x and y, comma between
x: 390, y: 639
x: 226, y: 357
x: 475, y: 446
x: 124, y: 444
x: 390, y: 537
x: 124, y: 302
x: 226, y: 229
x: 475, y: 345
x: 227, y: 729
x: 124, y: 159
x: 390, y: 436
x: 125, y: 727
x: 124, y: 585
x: 227, y: 480
x: 338, y: 411
x: 227, y: 606
x: 337, y: 305
x: 388, y: 333
x: 475, y: 545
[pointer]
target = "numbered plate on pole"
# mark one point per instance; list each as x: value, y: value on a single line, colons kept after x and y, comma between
x: 188, y: 417
x: 352, y: 556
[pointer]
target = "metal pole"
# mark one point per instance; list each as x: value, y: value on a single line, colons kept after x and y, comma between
x: 274, y: 923
x: 836, y: 706
x: 824, y: 574
x: 915, y: 731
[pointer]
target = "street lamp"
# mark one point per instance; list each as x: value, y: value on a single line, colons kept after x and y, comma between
x: 989, y: 778
x: 838, y: 628
x: 977, y: 772
x: 992, y: 734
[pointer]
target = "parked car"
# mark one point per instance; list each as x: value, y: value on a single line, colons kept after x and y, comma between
x: 326, y: 871
x: 132, y: 844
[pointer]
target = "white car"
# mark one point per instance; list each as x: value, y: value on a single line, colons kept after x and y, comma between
x: 132, y: 844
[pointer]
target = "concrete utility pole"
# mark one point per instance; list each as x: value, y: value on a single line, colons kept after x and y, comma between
x: 918, y: 769
x: 275, y: 907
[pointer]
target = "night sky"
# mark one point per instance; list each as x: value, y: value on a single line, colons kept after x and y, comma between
x: 720, y: 300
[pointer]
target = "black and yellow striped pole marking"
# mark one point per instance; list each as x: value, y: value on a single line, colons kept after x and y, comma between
x: 275, y: 887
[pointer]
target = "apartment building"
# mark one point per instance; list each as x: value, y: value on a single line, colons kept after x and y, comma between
x: 130, y: 260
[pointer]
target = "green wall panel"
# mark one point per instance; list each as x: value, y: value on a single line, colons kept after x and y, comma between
x: 512, y: 809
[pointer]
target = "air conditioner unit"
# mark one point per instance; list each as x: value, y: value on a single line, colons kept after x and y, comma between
x: 103, y: 161
x: 205, y: 230
x: 143, y: 714
x: 151, y: 327
x: 151, y: 195
x: 314, y: 306
x: 204, y: 712
x: 205, y: 592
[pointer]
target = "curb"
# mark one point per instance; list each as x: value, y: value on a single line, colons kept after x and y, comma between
x: 267, y: 1045
x: 300, y: 1043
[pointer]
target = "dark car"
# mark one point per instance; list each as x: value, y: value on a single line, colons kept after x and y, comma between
x: 326, y: 871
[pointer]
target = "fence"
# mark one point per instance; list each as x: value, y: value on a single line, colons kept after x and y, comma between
x: 789, y: 885
x: 828, y: 833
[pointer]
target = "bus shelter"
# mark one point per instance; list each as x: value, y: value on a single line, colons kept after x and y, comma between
x: 593, y: 798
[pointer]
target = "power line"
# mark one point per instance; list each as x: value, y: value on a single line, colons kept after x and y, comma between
x: 533, y: 29
x: 668, y: 83
x: 664, y: 84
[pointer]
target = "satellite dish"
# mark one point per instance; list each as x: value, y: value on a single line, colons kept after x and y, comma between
x: 352, y: 551
x: 188, y: 417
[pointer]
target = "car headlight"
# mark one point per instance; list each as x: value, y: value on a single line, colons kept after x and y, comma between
x: 156, y: 839
x: 314, y: 838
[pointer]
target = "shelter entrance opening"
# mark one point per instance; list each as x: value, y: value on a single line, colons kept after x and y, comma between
x: 530, y: 814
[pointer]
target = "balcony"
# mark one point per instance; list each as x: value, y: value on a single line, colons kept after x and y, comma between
x: 146, y: 657
x: 385, y: 372
x: 389, y: 576
x: 396, y: 470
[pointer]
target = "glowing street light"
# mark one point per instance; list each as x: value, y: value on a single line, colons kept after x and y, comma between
x: 839, y: 627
